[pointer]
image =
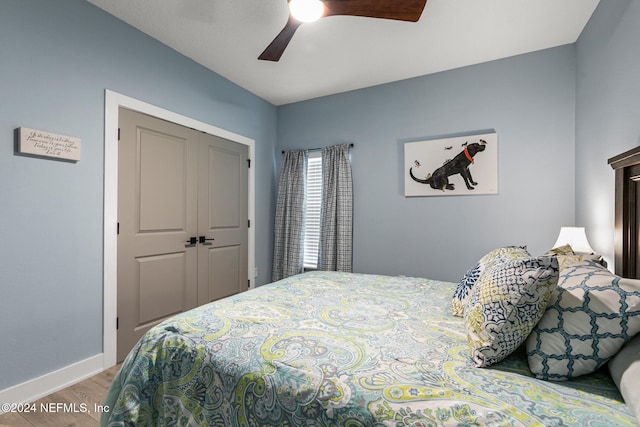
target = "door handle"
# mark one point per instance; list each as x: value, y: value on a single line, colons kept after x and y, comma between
x: 204, y: 241
x: 191, y: 242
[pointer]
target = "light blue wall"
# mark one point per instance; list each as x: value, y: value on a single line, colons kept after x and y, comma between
x: 529, y: 100
x: 607, y: 112
x: 56, y: 60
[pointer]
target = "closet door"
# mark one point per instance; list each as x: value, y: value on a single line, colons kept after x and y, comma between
x: 222, y: 218
x: 176, y: 184
x: 157, y: 214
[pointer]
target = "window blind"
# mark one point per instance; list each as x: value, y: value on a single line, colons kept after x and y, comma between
x: 312, y: 219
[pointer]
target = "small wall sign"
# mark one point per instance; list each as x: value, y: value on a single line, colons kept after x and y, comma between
x: 46, y: 144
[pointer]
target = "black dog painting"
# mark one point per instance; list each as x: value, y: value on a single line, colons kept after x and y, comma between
x: 458, y: 165
x: 452, y: 166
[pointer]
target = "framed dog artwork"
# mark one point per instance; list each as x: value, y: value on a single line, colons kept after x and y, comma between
x: 457, y: 166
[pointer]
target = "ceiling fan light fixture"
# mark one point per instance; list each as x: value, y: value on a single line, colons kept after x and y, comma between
x: 306, y: 10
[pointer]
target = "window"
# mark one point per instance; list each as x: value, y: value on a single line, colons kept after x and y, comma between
x: 312, y: 214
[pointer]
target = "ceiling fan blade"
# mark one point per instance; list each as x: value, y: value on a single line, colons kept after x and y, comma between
x: 274, y: 51
x: 407, y: 10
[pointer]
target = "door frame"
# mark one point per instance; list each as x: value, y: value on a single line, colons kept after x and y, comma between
x: 113, y: 101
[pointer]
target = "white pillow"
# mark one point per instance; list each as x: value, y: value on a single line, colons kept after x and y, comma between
x: 625, y: 371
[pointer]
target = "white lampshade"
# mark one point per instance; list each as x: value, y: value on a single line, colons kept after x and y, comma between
x: 574, y: 237
x: 306, y: 10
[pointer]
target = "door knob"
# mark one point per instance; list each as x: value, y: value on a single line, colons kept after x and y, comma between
x: 191, y: 242
x: 204, y: 240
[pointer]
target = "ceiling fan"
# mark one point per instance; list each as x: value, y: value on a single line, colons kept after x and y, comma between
x: 404, y: 10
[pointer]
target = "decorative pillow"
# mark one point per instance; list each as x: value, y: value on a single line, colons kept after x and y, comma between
x: 565, y: 261
x: 463, y: 289
x: 592, y: 313
x: 506, y: 303
x: 561, y: 250
x: 625, y: 371
x: 566, y: 256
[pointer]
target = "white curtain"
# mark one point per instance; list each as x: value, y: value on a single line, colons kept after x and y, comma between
x: 336, y: 222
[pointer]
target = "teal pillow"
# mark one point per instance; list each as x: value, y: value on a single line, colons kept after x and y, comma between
x: 462, y: 291
x: 506, y: 303
x: 590, y: 316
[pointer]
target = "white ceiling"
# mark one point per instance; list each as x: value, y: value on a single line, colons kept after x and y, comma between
x: 342, y: 53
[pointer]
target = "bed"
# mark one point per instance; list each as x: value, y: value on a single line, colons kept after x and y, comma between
x: 345, y: 349
x: 341, y: 349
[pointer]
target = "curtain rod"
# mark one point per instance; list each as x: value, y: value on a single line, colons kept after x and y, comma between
x: 318, y: 149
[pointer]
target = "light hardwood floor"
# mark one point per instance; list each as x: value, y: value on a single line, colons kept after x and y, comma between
x: 78, y: 405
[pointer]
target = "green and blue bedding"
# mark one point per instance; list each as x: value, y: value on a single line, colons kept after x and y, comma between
x: 341, y: 349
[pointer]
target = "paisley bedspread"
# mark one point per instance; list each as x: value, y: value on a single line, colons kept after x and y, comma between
x: 338, y: 349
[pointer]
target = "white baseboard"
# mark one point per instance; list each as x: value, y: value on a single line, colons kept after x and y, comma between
x: 51, y: 382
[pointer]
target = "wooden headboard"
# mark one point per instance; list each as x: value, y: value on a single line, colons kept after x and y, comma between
x: 627, y: 211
